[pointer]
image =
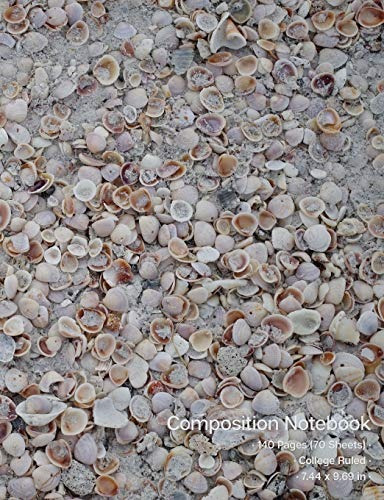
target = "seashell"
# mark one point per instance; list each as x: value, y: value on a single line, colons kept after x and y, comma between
x: 162, y: 330
x: 211, y: 99
x: 227, y: 35
x: 266, y: 220
x: 312, y: 206
x: 268, y: 30
x: 297, y: 30
x: 376, y: 226
x: 339, y: 394
x: 85, y: 450
x: 140, y: 200
x: 106, y: 415
x: 140, y: 408
x: 317, y: 238
x: 91, y: 320
x: 296, y: 382
x: 211, y: 124
x: 77, y: 35
x: 176, y: 376
x: 284, y: 71
x: 240, y: 10
x: 370, y: 16
x: 328, y: 121
x: 119, y: 374
x: 278, y: 327
x: 126, y: 434
x: 266, y: 403
x: 367, y: 390
x: 73, y: 421
x: 231, y: 396
x: 305, y: 321
x: 281, y: 206
x: 178, y: 464
x: 14, y: 444
x: 22, y: 487
x: 85, y: 396
x: 199, y: 77
x: 5, y: 214
x: 323, y: 20
x: 86, y: 85
x: 220, y: 59
x: 106, y: 70
x: 40, y: 410
x: 201, y: 340
x: 182, y: 58
x: 106, y: 486
x: 46, y: 477
x: 104, y: 346
x: 59, y: 453
x: 245, y: 223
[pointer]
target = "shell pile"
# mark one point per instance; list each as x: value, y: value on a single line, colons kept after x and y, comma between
x: 191, y: 226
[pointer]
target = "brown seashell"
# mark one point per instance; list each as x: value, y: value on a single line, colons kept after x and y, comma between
x: 199, y: 77
x: 220, y: 59
x: 85, y: 395
x: 296, y: 382
x: 328, y: 121
x: 91, y: 320
x: 105, y: 344
x: 346, y: 26
x: 370, y: 16
x: 78, y: 35
x: 278, y: 327
x: 86, y: 85
x: 323, y: 84
x: 106, y: 486
x: 211, y: 99
x: 376, y: 226
x: 211, y: 124
x: 5, y: 214
x: 73, y: 421
x: 106, y: 70
x: 59, y: 453
x: 15, y: 14
x: 368, y: 390
x: 268, y: 30
x: 227, y: 165
x: 284, y: 71
x: 140, y: 200
x: 245, y: 223
x: 339, y: 394
x: 171, y: 170
x: 323, y: 20
x: 162, y: 330
x: 298, y: 30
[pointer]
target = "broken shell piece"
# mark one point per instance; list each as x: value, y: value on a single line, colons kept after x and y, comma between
x: 106, y: 415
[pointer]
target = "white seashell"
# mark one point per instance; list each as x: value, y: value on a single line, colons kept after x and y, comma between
x: 305, y: 321
x: 14, y: 444
x: 106, y: 415
x: 39, y: 419
x: 317, y: 238
x: 16, y: 110
x: 226, y: 35
x: 85, y: 190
